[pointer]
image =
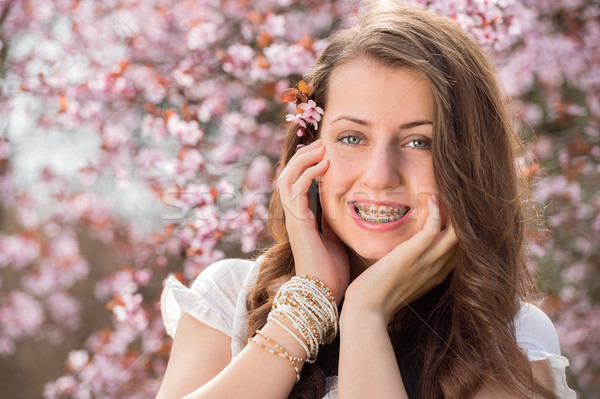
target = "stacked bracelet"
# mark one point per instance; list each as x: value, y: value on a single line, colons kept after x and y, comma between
x: 306, y: 304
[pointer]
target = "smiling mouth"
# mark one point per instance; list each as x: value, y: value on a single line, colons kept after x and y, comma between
x: 379, y: 213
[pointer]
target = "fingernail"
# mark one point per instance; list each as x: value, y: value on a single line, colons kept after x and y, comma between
x: 435, y: 200
x: 299, y: 146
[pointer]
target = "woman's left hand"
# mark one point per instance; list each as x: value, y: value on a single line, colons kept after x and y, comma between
x: 407, y: 272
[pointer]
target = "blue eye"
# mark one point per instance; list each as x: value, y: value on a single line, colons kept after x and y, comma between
x: 419, y: 144
x: 350, y: 140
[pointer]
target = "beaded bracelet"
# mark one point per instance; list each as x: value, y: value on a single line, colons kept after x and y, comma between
x: 284, y: 354
x: 310, y: 285
x: 298, y: 319
x: 322, y: 286
x: 308, y: 314
x: 278, y: 346
x: 315, y: 292
x: 297, y: 323
x: 308, y: 305
x: 294, y: 335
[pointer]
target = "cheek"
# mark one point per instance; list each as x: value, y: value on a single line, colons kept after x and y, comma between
x: 420, y: 181
x: 335, y: 183
x: 339, y: 174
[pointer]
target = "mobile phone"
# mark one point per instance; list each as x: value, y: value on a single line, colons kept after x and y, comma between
x: 315, y: 203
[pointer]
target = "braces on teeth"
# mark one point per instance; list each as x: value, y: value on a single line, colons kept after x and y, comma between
x: 373, y: 215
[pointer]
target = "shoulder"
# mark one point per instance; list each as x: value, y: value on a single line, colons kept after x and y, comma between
x: 227, y: 273
x: 222, y: 282
x: 535, y: 331
x: 537, y: 337
x: 212, y: 298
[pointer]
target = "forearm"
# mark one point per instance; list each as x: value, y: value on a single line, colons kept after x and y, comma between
x: 367, y: 367
x: 256, y: 373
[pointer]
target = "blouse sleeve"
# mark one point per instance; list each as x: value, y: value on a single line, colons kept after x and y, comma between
x: 211, y: 299
x: 536, y: 335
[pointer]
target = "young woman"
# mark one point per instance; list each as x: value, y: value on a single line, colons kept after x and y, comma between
x: 420, y: 245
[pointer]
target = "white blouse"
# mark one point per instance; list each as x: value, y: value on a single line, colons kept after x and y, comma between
x: 217, y: 298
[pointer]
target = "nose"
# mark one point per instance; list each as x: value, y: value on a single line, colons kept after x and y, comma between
x: 381, y: 169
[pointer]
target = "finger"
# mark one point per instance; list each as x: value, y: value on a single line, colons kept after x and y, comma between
x: 302, y: 184
x: 302, y: 150
x: 295, y: 200
x: 446, y: 239
x: 448, y: 236
x: 430, y: 242
x: 433, y: 222
x: 305, y: 148
x: 423, y: 239
x: 296, y: 167
x: 444, y: 244
x: 292, y: 190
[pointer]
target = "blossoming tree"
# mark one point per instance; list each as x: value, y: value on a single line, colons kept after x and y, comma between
x: 149, y: 129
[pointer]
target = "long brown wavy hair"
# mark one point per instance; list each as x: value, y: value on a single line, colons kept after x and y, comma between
x: 460, y: 334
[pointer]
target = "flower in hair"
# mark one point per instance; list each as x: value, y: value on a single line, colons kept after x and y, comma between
x: 308, y: 111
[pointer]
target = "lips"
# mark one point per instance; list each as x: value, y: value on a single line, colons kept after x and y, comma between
x: 380, y: 213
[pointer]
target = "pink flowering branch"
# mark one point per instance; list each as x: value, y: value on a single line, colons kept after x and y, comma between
x: 123, y: 107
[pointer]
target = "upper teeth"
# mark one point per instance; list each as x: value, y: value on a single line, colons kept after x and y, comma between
x: 380, y: 213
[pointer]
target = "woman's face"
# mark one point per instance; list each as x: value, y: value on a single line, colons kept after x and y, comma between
x: 377, y: 130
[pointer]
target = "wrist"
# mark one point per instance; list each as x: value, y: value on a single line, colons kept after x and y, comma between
x: 356, y: 314
x: 370, y: 303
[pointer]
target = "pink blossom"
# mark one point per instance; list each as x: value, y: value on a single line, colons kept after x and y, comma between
x: 188, y: 166
x: 64, y: 385
x: 311, y: 114
x: 154, y: 128
x: 175, y: 95
x: 20, y: 315
x: 288, y: 59
x: 254, y: 106
x: 275, y: 25
x: 151, y: 162
x: 142, y: 277
x: 64, y: 309
x: 203, y: 35
x: 128, y: 309
x: 121, y: 282
x: 296, y: 119
x: 18, y: 251
x: 78, y: 359
x: 259, y: 174
x: 189, y: 133
x: 240, y: 57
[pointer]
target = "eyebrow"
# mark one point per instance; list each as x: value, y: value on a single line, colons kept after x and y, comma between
x: 404, y: 126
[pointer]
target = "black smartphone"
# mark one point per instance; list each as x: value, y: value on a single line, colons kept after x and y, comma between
x: 315, y: 203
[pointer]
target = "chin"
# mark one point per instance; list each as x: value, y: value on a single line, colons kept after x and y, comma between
x: 372, y: 255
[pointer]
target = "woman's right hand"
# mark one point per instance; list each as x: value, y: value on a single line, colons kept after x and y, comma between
x: 321, y: 255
